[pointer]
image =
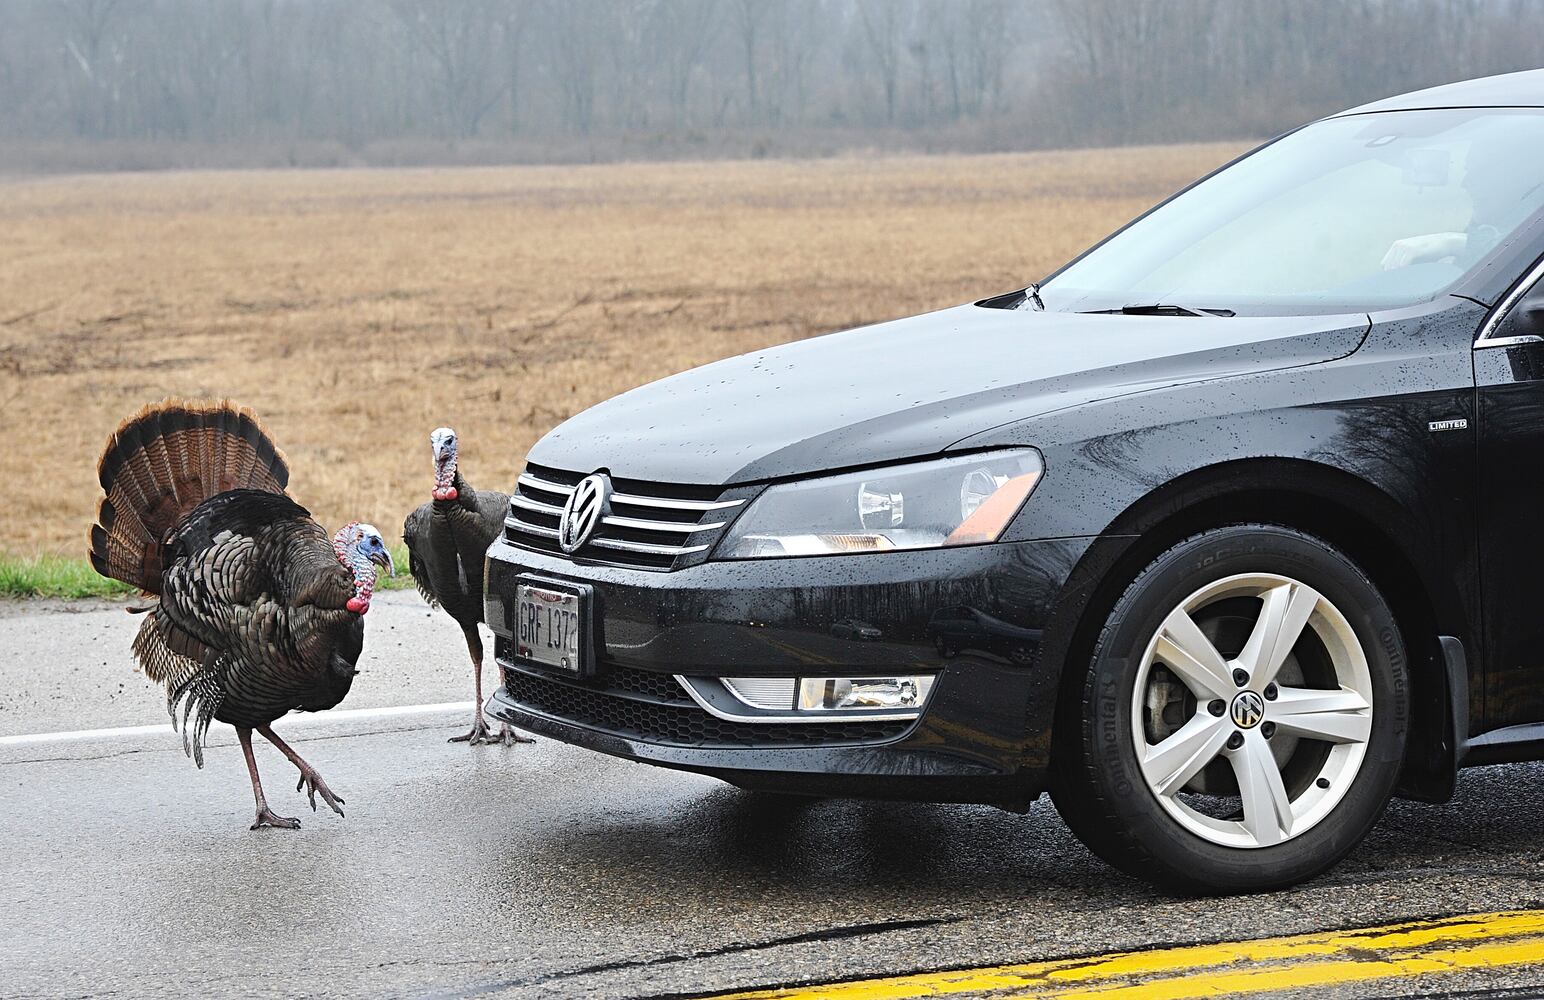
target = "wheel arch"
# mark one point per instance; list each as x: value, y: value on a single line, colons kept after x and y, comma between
x: 1372, y: 528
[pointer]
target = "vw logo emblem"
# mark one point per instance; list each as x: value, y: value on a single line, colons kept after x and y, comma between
x: 1248, y: 710
x: 590, y: 501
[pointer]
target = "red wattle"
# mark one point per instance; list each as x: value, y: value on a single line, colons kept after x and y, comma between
x: 358, y: 605
x: 448, y: 493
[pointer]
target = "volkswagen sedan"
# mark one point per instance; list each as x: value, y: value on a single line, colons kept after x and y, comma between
x: 1220, y: 534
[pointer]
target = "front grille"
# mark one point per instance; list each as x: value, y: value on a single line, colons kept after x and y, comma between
x: 650, y: 685
x: 650, y: 526
x: 630, y: 705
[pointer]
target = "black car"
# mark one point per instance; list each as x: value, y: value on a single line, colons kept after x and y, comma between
x: 1222, y: 534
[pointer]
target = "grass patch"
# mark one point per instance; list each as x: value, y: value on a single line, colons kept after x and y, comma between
x: 55, y: 576
x: 63, y: 576
x: 403, y: 580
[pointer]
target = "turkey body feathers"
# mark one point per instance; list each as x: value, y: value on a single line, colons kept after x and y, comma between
x: 251, y: 620
x: 447, y: 541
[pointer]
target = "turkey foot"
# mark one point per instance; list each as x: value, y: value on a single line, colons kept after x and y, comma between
x: 314, y: 785
x: 265, y: 817
x: 477, y: 735
x: 309, y: 779
x: 509, y: 737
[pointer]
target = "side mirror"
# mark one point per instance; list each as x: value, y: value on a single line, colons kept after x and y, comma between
x: 1526, y: 317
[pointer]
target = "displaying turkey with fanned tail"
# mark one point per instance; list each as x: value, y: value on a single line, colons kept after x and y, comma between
x: 447, y: 541
x: 255, y: 612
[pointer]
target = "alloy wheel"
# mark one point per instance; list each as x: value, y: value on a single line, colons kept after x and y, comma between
x: 1251, y: 710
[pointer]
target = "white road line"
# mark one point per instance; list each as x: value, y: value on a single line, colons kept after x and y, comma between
x: 290, y: 722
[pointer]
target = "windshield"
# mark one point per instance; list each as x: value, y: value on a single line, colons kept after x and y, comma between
x: 1350, y: 214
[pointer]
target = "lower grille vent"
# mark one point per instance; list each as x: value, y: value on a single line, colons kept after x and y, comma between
x: 634, y: 706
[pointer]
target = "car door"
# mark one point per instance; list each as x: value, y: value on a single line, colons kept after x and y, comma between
x: 1509, y: 381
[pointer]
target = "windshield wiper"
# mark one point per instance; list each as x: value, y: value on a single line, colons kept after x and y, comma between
x: 1163, y: 309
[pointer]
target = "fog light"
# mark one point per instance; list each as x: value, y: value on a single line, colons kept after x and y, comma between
x: 833, y: 693
x: 774, y: 693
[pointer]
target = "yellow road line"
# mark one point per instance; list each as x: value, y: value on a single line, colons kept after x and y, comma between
x: 1193, y: 972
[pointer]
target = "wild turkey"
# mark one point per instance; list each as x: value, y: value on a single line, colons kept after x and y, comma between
x: 256, y: 612
x: 447, y: 539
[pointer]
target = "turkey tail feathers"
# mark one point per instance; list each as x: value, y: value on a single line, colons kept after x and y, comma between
x: 181, y: 667
x: 160, y: 464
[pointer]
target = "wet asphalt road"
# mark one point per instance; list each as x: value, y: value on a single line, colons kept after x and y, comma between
x: 547, y: 871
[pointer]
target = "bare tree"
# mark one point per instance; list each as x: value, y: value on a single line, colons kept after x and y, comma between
x: 794, y: 43
x: 276, y: 81
x: 572, y: 44
x: 460, y: 39
x: 87, y: 23
x: 680, y: 32
x: 747, y: 16
x: 884, y: 29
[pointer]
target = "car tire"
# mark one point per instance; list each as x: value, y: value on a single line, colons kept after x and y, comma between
x: 1164, y: 769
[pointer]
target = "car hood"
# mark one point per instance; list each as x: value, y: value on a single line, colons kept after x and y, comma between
x: 913, y: 387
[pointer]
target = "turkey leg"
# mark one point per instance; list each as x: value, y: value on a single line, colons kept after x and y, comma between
x: 265, y: 816
x: 479, y: 732
x: 309, y: 779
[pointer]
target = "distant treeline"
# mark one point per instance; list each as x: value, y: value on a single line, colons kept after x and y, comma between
x: 140, y: 83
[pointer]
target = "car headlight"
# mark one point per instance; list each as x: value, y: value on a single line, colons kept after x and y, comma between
x: 967, y: 500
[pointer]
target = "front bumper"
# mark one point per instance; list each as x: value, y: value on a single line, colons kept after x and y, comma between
x: 977, y: 616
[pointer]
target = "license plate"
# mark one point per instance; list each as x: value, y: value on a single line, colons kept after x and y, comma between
x: 549, y: 626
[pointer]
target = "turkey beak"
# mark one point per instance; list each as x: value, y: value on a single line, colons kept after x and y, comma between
x: 383, y: 560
